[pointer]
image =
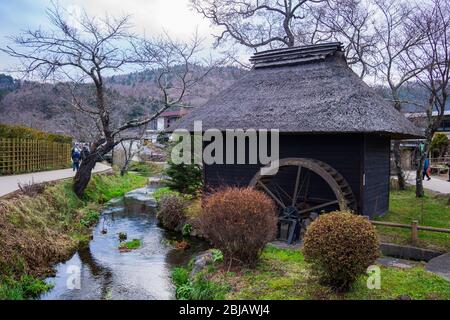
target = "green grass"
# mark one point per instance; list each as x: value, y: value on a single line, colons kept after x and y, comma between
x: 198, y: 288
x: 26, y: 287
x: 161, y: 192
x: 130, y: 245
x: 146, y: 168
x: 103, y: 188
x: 283, y: 274
x: 42, y: 230
x: 431, y: 210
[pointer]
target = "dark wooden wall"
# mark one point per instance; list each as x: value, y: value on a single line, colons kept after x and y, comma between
x: 342, y: 152
x: 376, y: 168
x: 349, y: 154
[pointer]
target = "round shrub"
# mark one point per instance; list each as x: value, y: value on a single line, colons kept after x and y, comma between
x: 239, y: 222
x: 171, y: 211
x: 340, y: 246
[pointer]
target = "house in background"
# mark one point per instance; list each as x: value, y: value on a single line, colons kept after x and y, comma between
x: 409, y: 147
x: 165, y: 119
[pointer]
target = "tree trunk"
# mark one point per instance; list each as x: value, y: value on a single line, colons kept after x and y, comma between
x: 398, y: 166
x: 83, y: 175
x: 124, y: 168
x: 419, y: 181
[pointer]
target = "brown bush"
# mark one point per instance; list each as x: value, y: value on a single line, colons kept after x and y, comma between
x: 239, y: 222
x: 340, y: 246
x: 171, y: 211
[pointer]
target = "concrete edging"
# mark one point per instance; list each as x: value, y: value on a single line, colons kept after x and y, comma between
x: 408, y: 252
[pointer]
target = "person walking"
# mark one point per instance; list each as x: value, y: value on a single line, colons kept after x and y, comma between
x: 84, y: 152
x: 76, y: 156
x: 426, y: 168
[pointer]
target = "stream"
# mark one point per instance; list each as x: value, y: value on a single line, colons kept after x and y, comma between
x: 101, y: 271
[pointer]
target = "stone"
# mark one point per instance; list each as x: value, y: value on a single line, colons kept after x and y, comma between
x: 155, y: 182
x: 201, y: 261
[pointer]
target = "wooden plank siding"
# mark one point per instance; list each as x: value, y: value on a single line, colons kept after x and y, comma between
x: 376, y: 168
x: 340, y: 151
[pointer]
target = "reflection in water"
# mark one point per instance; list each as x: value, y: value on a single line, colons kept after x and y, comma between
x: 105, y: 273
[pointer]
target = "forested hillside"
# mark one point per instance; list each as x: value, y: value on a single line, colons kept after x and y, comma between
x: 47, y: 106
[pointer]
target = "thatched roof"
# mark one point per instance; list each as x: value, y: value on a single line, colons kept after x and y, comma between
x: 307, y: 89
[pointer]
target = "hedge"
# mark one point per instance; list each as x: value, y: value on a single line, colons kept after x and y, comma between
x: 22, y: 132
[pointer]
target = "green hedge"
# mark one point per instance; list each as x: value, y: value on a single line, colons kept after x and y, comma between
x: 22, y: 132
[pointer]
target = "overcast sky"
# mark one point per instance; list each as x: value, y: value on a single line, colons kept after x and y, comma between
x: 149, y: 16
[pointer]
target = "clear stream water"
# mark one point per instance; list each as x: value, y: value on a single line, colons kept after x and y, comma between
x: 101, y: 271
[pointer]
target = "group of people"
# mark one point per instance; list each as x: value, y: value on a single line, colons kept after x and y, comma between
x: 79, y: 153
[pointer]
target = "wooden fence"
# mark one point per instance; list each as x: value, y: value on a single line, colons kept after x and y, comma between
x: 26, y: 155
x: 414, y: 227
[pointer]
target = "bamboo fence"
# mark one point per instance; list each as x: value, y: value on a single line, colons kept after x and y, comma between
x: 27, y: 155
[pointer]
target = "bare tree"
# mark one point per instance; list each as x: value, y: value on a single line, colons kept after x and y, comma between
x: 131, y: 148
x: 397, y: 37
x: 89, y: 49
x: 433, y: 56
x: 255, y: 23
x: 348, y: 21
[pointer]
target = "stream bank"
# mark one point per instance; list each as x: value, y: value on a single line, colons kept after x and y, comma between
x: 102, y: 271
x: 42, y: 228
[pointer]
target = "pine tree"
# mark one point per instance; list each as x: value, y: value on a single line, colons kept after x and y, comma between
x: 184, y: 178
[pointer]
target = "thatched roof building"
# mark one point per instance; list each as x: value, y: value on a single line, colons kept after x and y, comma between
x: 335, y: 132
x: 308, y: 89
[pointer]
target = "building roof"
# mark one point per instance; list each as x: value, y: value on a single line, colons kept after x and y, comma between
x: 175, y: 113
x: 308, y: 89
x: 424, y: 114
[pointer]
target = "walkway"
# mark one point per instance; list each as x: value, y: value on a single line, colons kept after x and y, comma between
x: 435, y: 184
x: 9, y: 184
x: 440, y: 265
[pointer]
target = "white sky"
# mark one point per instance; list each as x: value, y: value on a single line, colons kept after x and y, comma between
x: 151, y: 17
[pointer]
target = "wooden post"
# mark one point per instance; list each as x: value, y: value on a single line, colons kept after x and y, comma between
x: 414, y: 232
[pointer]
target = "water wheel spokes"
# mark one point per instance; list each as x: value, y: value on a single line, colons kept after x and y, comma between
x: 300, y: 197
x: 271, y: 194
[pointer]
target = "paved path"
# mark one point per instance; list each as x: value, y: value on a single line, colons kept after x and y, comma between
x: 435, y: 184
x: 9, y: 184
x: 440, y: 265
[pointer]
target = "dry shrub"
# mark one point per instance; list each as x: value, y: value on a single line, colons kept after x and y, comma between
x: 239, y: 222
x: 29, y: 242
x: 340, y: 246
x: 31, y: 189
x: 171, y: 211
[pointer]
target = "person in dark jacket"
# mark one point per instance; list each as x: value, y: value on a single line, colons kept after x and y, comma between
x: 426, y: 166
x: 84, y: 153
x: 76, y: 156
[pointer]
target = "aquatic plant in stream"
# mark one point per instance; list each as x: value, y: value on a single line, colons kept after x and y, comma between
x: 130, y: 245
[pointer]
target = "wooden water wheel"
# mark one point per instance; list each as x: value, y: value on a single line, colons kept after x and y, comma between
x: 291, y: 191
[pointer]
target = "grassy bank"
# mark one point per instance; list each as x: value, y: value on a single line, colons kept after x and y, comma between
x: 283, y: 274
x: 38, y: 231
x: 432, y: 210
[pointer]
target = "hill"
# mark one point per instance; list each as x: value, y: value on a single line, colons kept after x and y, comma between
x: 46, y: 107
